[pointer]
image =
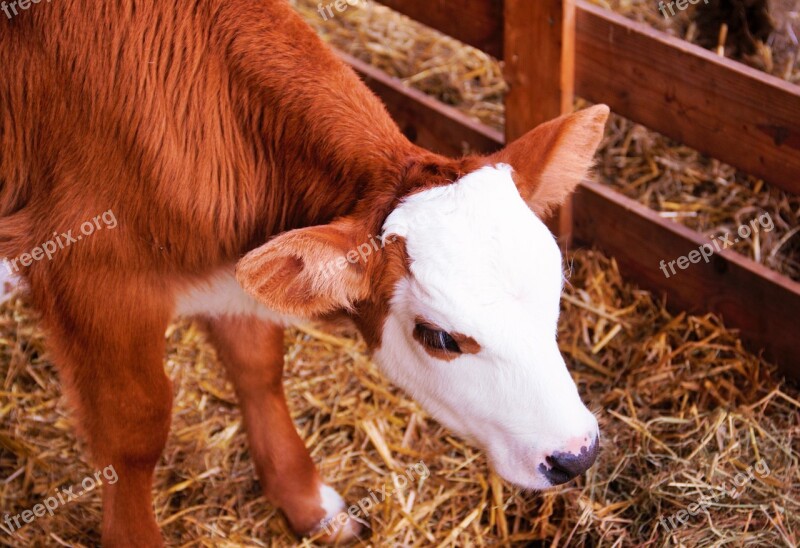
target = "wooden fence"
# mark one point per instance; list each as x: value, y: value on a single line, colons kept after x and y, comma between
x: 556, y: 49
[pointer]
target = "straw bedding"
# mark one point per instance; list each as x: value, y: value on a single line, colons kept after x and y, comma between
x: 682, y: 407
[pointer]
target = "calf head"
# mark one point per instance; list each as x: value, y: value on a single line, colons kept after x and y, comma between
x: 459, y: 297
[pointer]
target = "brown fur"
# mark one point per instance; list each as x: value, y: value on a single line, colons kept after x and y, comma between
x: 207, y: 127
x: 253, y: 354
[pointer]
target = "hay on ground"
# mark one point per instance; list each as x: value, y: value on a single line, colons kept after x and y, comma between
x: 682, y: 406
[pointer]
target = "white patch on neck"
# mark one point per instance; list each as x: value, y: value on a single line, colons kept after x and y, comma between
x: 9, y: 283
x: 221, y: 295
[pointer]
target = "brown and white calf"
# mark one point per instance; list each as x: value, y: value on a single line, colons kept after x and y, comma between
x: 241, y: 158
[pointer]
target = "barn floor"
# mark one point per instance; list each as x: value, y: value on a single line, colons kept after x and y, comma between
x: 682, y: 407
x: 682, y: 410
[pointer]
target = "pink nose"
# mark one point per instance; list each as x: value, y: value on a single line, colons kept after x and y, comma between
x: 560, y: 467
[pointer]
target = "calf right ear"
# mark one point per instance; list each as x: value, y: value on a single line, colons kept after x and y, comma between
x: 550, y: 160
x: 305, y: 272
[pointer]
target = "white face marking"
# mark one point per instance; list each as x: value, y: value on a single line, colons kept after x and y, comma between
x: 220, y: 295
x: 483, y: 265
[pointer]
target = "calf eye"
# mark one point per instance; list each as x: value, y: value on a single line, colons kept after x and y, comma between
x: 435, y: 339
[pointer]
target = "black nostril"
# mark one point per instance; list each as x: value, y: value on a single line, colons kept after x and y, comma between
x: 562, y: 467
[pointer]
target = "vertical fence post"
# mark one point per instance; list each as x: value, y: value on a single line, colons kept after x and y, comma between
x: 539, y: 55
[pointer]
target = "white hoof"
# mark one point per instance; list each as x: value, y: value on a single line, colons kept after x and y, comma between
x: 337, y: 526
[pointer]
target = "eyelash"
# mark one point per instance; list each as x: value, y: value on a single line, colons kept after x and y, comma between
x: 436, y: 339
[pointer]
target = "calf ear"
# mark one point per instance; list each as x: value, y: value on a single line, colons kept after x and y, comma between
x: 305, y: 272
x: 550, y: 160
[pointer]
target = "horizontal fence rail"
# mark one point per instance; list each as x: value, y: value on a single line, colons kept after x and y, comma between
x: 477, y: 23
x: 424, y: 120
x: 763, y: 304
x: 720, y: 107
x: 749, y: 296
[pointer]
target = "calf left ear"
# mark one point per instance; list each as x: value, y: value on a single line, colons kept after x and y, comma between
x: 550, y: 160
x: 306, y: 272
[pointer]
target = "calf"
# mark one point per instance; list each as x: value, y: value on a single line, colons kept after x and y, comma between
x: 240, y: 159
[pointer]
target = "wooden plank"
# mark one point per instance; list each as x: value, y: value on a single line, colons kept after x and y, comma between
x: 540, y: 62
x: 426, y: 121
x: 722, y: 108
x: 763, y: 304
x: 477, y: 23
x: 540, y: 70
